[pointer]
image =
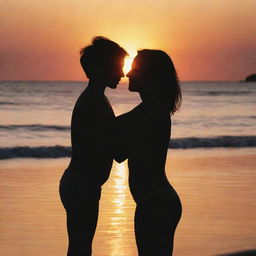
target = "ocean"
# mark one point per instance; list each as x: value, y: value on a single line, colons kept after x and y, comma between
x: 211, y: 163
x: 35, y: 116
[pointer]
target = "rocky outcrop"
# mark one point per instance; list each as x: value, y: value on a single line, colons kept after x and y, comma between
x: 251, y: 78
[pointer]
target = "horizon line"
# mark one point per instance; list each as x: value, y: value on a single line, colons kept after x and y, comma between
x: 81, y: 81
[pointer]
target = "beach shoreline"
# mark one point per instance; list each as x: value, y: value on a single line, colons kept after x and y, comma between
x: 218, y: 213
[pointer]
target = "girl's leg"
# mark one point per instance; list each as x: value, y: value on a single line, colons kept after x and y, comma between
x: 155, y: 222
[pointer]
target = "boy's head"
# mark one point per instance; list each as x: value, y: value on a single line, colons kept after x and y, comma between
x: 103, y: 61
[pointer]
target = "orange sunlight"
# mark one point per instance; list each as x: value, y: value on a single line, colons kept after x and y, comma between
x: 128, y: 60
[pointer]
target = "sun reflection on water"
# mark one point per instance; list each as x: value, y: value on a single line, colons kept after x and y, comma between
x: 115, y: 231
x: 119, y: 217
x: 120, y: 188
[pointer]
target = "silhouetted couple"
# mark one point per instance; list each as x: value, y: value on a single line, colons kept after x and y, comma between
x: 141, y: 136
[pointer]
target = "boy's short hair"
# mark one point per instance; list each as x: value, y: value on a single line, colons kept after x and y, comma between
x: 99, y: 55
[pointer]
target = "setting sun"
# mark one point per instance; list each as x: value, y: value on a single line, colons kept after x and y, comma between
x: 127, y: 64
x: 128, y: 60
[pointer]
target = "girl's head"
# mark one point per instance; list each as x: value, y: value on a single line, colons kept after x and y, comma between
x: 153, y: 75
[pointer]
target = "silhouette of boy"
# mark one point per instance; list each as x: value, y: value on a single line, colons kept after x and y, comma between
x: 92, y: 157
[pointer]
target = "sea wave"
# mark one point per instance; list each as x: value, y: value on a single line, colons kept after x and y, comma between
x: 218, y: 93
x: 12, y: 103
x: 35, y: 152
x: 9, y: 103
x: 214, y: 142
x: 179, y: 143
x: 34, y: 127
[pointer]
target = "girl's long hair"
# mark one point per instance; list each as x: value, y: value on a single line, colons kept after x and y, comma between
x: 158, y: 66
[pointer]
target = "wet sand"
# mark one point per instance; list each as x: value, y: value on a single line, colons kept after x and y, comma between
x: 217, y: 190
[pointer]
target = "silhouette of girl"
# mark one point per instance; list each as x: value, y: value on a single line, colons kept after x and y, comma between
x: 142, y: 136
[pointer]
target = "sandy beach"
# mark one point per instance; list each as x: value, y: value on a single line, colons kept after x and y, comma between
x: 217, y: 190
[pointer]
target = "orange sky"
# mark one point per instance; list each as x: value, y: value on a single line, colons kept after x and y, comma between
x: 207, y: 39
